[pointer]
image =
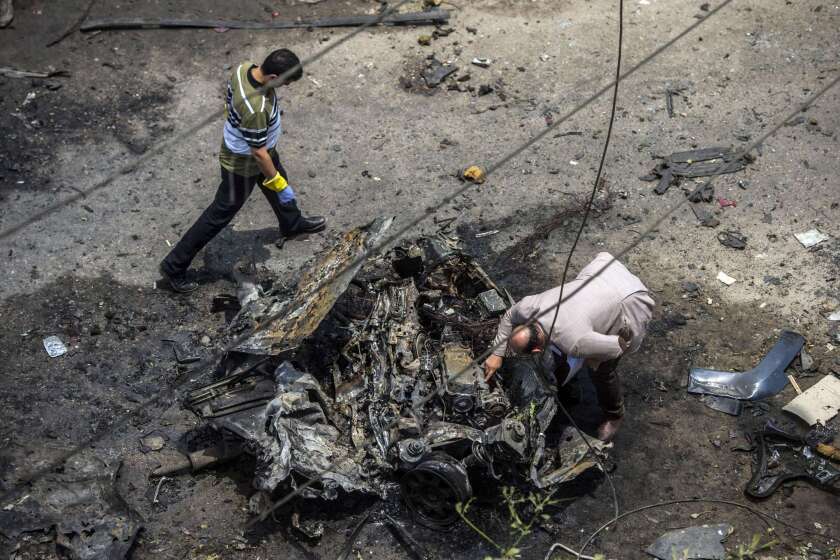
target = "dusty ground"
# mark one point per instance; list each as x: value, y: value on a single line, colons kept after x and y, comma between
x: 357, y: 145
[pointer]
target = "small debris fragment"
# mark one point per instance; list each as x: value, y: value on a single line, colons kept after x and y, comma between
x: 482, y: 62
x: 54, y: 346
x: 806, y: 362
x: 474, y: 174
x: 8, y: 72
x: 425, y: 40
x: 704, y: 194
x: 733, y: 239
x: 152, y: 442
x: 703, y: 542
x: 811, y: 238
x: 157, y: 489
x: 725, y: 202
x: 705, y: 217
x: 437, y: 72
x: 486, y: 233
x: 485, y: 89
x: 726, y: 405
x: 834, y: 316
x: 725, y: 278
x: 690, y: 287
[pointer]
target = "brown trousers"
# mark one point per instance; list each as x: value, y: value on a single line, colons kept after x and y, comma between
x: 608, y: 388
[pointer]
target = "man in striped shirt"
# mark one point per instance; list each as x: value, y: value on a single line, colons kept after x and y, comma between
x: 248, y: 155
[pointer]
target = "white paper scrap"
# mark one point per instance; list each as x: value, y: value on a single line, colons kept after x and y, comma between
x: 725, y: 278
x: 820, y: 403
x: 811, y: 237
x: 54, y: 346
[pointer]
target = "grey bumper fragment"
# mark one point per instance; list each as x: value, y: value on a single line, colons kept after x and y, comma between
x: 764, y: 380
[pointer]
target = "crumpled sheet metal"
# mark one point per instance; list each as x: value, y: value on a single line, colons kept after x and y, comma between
x: 299, y: 439
x: 318, y: 290
x: 573, y: 458
x: 90, y: 519
x: 763, y: 381
x: 701, y: 543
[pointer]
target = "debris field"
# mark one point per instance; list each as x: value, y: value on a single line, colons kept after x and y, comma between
x: 316, y: 391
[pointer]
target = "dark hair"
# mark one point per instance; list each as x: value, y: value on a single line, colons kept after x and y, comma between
x: 281, y: 61
x: 533, y: 338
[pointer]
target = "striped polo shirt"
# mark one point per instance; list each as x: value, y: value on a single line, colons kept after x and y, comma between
x: 252, y: 120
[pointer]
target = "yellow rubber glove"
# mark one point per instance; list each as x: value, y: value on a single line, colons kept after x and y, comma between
x: 276, y: 183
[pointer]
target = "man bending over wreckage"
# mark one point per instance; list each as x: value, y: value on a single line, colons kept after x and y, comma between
x: 595, y: 327
x: 248, y: 155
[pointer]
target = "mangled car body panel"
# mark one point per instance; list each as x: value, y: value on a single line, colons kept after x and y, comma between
x: 318, y: 290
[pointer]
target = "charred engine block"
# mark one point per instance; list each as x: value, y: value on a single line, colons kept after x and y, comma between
x: 466, y: 395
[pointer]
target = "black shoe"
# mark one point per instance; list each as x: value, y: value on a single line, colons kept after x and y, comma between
x: 178, y: 283
x: 312, y: 224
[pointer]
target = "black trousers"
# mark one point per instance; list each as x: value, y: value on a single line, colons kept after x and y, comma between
x: 233, y: 191
x: 607, y: 384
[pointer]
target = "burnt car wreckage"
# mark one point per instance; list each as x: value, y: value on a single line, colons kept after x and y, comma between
x: 367, y: 384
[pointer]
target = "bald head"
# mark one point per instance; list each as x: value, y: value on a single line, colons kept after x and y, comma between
x: 527, y: 338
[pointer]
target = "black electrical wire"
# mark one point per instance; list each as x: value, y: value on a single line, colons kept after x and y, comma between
x: 594, y: 192
x: 763, y: 516
x: 578, y: 235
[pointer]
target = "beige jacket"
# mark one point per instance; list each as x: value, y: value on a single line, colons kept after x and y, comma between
x: 590, y: 317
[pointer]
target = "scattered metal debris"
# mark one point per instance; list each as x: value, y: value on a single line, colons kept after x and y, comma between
x: 806, y: 362
x: 818, y: 404
x: 179, y: 349
x: 429, y: 17
x: 702, y: 543
x: 811, y: 237
x: 436, y: 72
x: 54, y: 347
x: 486, y: 233
x: 781, y: 457
x: 764, y: 380
x: 152, y: 442
x: 385, y: 355
x: 705, y: 217
x: 706, y: 193
x: 726, y: 405
x: 695, y: 163
x: 834, y: 316
x: 7, y: 72
x: 733, y: 239
x: 157, y: 489
x: 81, y: 505
x: 482, y: 62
